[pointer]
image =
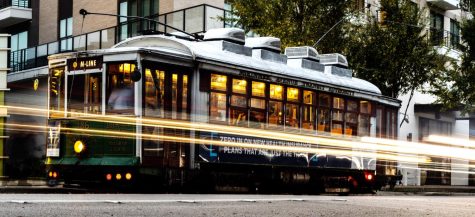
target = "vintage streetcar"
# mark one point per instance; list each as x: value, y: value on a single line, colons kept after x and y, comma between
x: 153, y: 109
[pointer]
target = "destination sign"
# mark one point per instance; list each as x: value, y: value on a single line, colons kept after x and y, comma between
x: 84, y: 63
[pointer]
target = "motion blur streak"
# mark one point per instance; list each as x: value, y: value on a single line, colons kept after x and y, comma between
x: 440, y: 170
x: 381, y: 146
x: 426, y: 149
x: 255, y: 146
x: 450, y: 141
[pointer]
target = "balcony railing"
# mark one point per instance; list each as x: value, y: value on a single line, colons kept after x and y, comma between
x: 197, y: 19
x: 444, y: 38
x: 15, y: 3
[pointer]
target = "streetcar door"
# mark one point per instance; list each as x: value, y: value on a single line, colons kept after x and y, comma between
x: 166, y: 91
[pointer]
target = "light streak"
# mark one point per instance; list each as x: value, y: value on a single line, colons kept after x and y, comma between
x: 381, y: 146
x: 450, y: 141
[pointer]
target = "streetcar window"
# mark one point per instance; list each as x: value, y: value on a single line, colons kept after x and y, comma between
x: 56, y: 94
x: 276, y: 91
x: 120, y: 88
x: 365, y: 107
x: 351, y: 118
x: 85, y: 94
x: 184, y: 92
x: 239, y: 101
x: 218, y: 107
x: 337, y: 115
x: 292, y: 115
x: 308, y: 117
x: 258, y: 103
x: 275, y: 113
x: 308, y: 97
x: 218, y: 82
x: 154, y: 89
x: 324, y: 100
x: 257, y: 119
x: 258, y: 89
x: 239, y: 86
x: 323, y: 120
x: 364, y: 121
x: 292, y: 94
x: 238, y: 117
x: 174, y: 95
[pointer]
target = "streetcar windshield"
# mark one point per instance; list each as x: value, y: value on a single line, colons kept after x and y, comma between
x: 84, y: 94
x: 120, y: 88
x: 56, y: 91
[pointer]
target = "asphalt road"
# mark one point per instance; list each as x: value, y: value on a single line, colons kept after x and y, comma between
x: 232, y: 205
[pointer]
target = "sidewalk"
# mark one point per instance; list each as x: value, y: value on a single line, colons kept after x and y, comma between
x: 433, y: 190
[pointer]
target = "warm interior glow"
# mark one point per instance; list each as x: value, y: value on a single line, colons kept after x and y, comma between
x: 276, y: 91
x: 292, y: 94
x: 258, y: 89
x: 218, y: 82
x: 239, y: 86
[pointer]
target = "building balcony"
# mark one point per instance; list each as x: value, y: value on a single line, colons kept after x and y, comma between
x: 194, y: 20
x: 446, y: 43
x: 446, y: 4
x: 14, y: 11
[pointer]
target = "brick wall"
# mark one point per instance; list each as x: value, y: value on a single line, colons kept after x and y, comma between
x: 94, y: 22
x: 48, y: 25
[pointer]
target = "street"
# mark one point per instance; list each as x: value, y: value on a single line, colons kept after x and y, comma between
x: 232, y: 205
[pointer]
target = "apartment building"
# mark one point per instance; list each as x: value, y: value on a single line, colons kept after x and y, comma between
x: 46, y: 27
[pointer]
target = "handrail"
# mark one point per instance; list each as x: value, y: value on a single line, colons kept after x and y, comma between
x: 15, y: 3
x: 36, y: 56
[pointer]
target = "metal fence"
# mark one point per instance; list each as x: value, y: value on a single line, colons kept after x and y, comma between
x: 445, y: 38
x: 15, y: 3
x: 197, y: 19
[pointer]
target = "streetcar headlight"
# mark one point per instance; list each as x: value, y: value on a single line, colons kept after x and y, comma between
x: 79, y: 147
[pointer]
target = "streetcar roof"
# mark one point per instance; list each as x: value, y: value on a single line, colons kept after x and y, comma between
x: 206, y: 51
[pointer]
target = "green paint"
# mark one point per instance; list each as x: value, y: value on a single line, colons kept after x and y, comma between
x: 101, y: 149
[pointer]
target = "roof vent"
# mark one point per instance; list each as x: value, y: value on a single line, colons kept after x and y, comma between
x: 304, y: 52
x: 234, y: 35
x: 335, y: 59
x: 266, y: 43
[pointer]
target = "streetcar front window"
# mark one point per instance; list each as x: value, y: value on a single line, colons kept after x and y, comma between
x: 85, y: 94
x: 56, y: 95
x: 120, y: 88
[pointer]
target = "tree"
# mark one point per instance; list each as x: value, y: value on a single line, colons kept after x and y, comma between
x: 396, y: 55
x: 295, y: 22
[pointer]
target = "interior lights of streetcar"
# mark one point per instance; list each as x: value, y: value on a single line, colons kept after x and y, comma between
x: 118, y: 176
x: 128, y: 176
x: 239, y: 86
x: 78, y: 146
x: 258, y: 88
x: 218, y: 82
x: 292, y: 94
x: 275, y: 91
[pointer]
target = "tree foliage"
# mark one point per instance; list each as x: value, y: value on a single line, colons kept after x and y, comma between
x: 295, y: 22
x: 396, y: 56
x: 459, y: 93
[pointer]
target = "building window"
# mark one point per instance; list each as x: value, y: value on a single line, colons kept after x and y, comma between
x: 19, y: 41
x: 436, y: 28
x: 454, y: 34
x: 65, y: 33
x: 123, y: 20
